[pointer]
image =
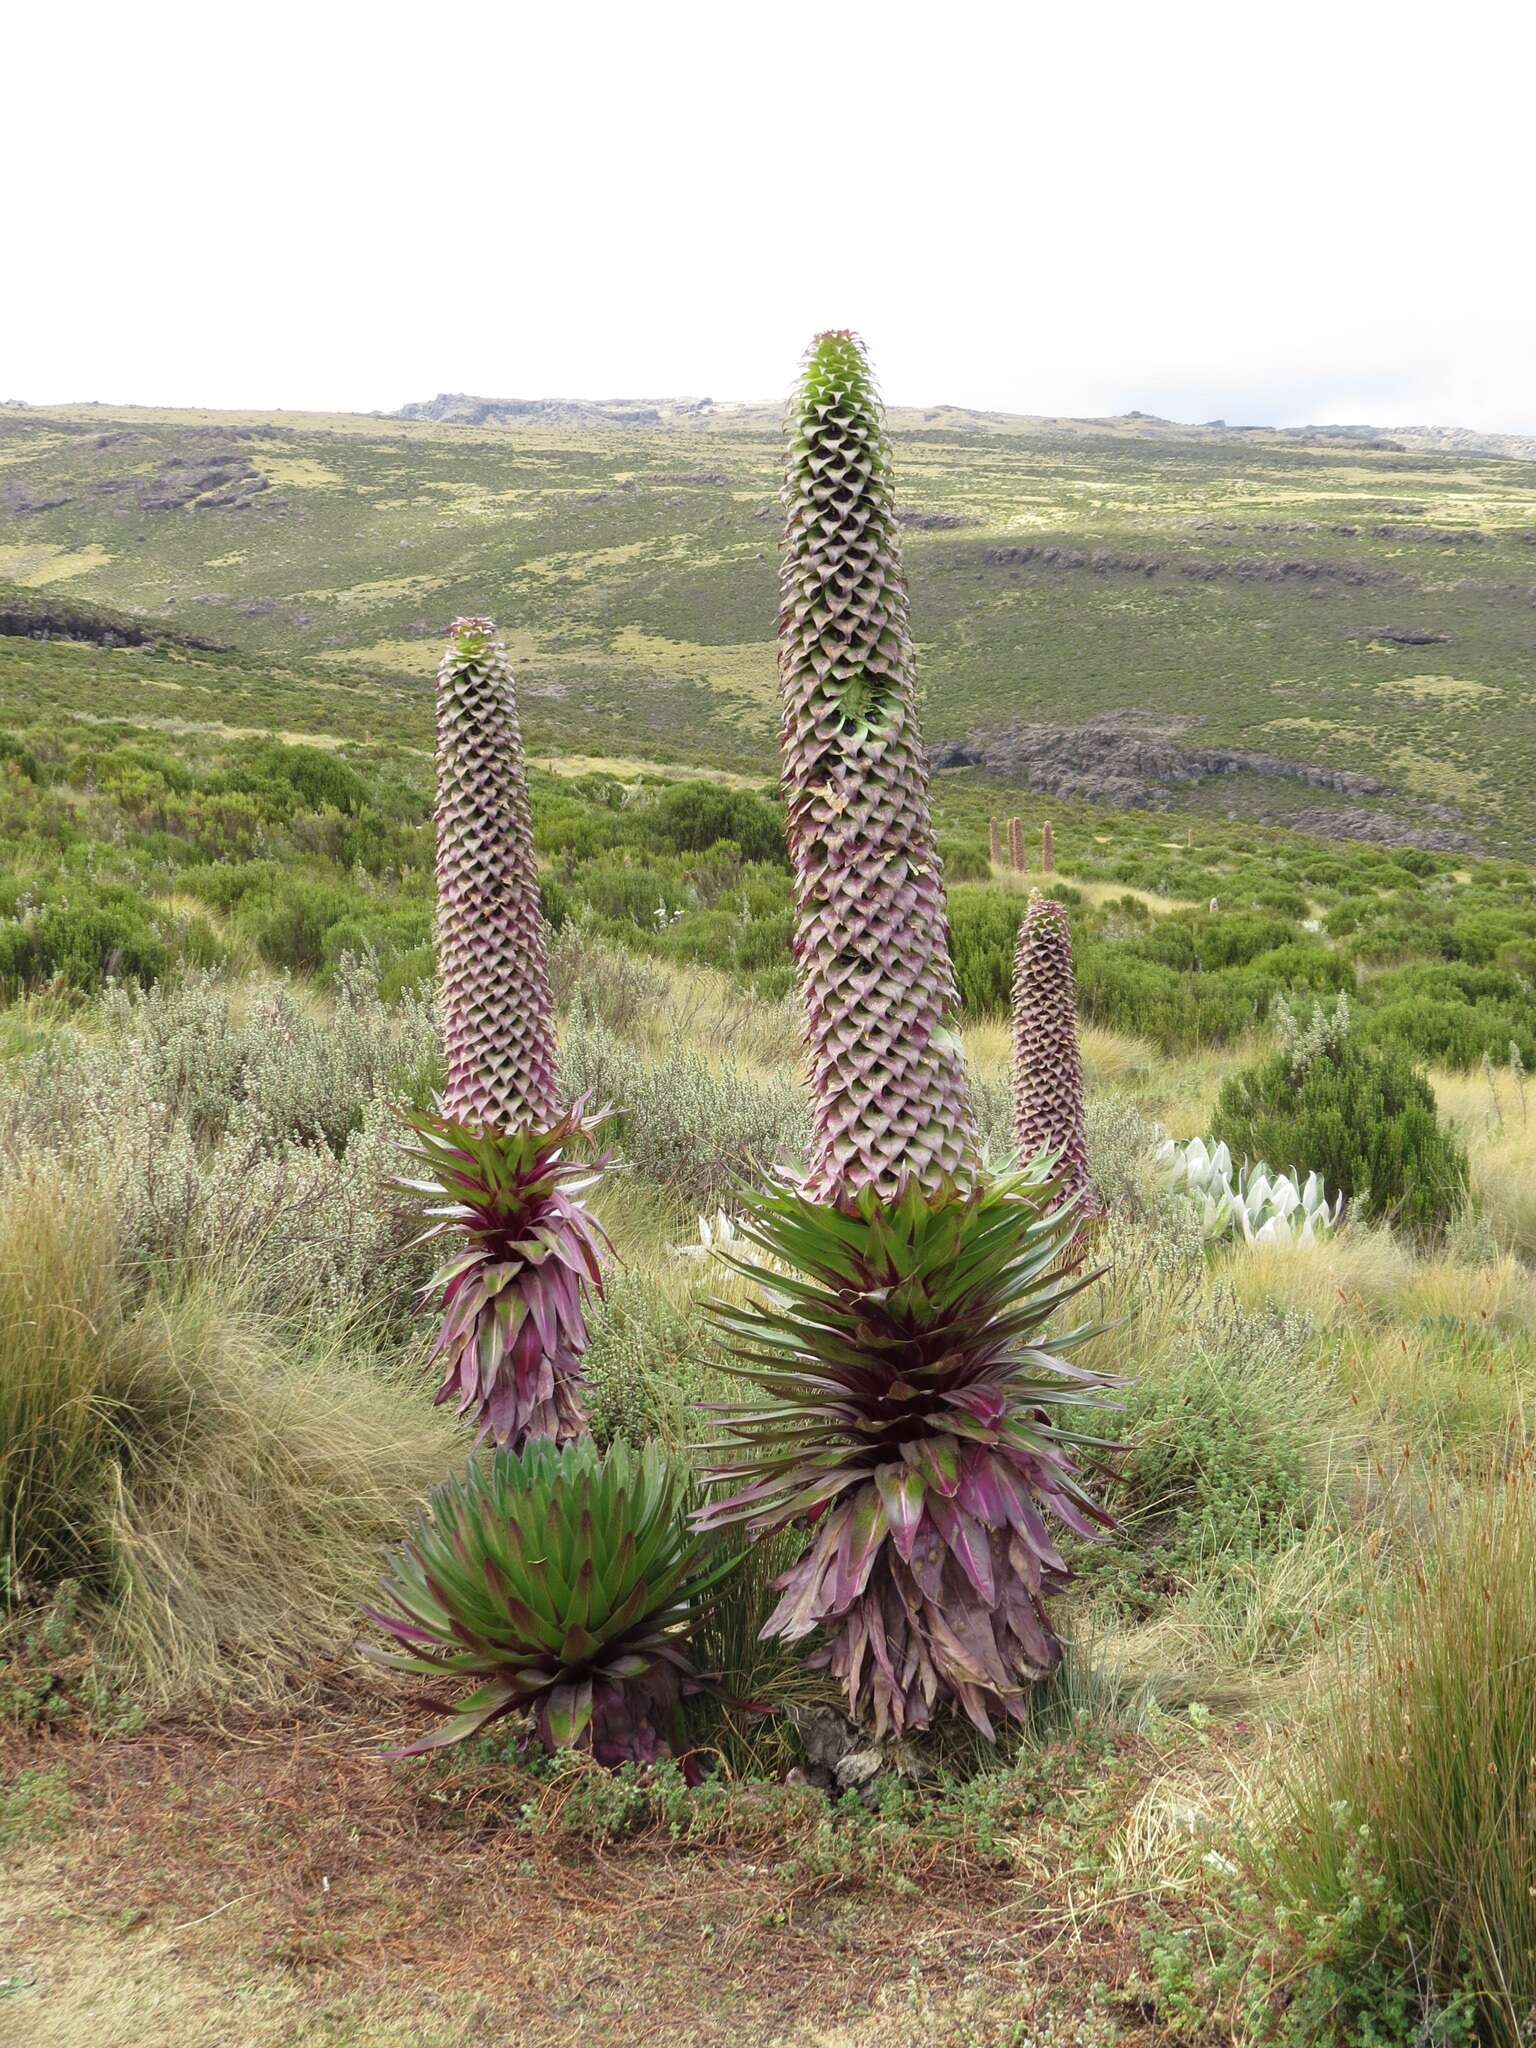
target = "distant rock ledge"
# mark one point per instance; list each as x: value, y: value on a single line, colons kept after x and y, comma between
x: 1133, y: 761
x: 466, y: 409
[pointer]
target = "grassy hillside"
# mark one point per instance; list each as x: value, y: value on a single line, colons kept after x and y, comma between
x: 202, y: 1266
x: 1284, y: 1790
x: 1367, y: 611
x: 168, y: 804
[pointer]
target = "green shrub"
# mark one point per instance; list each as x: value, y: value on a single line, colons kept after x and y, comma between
x: 646, y: 1367
x: 288, y: 776
x: 764, y: 943
x: 630, y: 895
x: 983, y: 931
x: 1175, y: 1010
x: 1362, y: 1117
x: 1224, y: 1468
x: 411, y: 973
x: 384, y: 934
x: 292, y: 932
x: 695, y: 816
x: 81, y: 946
x: 1300, y: 964
x: 1211, y: 940
x: 21, y: 757
x: 965, y: 860
x: 226, y: 885
x: 693, y: 1129
x: 1453, y: 1013
x: 1453, y: 1034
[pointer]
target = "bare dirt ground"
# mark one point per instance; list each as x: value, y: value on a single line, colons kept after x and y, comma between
x: 272, y: 1884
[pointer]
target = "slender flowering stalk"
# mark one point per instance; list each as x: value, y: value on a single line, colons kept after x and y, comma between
x: 1047, y: 1064
x: 889, y: 1088
x: 501, y: 1164
x: 1016, y: 845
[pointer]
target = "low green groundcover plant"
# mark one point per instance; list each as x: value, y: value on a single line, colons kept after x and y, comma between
x: 566, y: 1581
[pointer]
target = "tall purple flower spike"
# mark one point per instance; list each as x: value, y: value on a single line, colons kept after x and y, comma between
x: 891, y: 1100
x: 903, y: 1410
x: 501, y: 1163
x: 498, y: 1016
x: 1047, y: 1063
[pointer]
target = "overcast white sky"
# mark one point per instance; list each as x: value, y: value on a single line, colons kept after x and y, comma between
x: 1281, y: 214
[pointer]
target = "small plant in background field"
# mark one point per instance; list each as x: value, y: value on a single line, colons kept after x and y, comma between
x: 1047, y: 1064
x: 1254, y: 1203
x: 1360, y: 1114
x: 503, y: 1165
x: 1305, y: 1039
x: 907, y: 1409
x: 564, y: 1580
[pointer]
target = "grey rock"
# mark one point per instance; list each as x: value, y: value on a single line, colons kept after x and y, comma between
x: 1128, y: 760
x: 858, y: 1768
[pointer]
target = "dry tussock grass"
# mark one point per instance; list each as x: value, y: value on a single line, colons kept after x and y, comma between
x: 226, y: 1487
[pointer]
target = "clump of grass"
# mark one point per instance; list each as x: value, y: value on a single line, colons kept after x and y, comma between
x: 1231, y: 1553
x: 1496, y: 1114
x: 70, y: 1357
x: 1412, y: 1833
x: 750, y: 1721
x: 647, y: 1365
x: 222, y: 1494
x: 694, y: 1128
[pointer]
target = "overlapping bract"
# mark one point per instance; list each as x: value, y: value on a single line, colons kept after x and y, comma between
x: 912, y: 1414
x: 567, y: 1582
x: 1047, y: 1063
x: 890, y: 1095
x: 498, y: 1026
x: 524, y: 1250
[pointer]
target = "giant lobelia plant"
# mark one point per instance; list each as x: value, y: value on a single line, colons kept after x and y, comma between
x: 502, y: 1165
x: 565, y: 1582
x: 909, y: 1410
x: 1047, y: 1063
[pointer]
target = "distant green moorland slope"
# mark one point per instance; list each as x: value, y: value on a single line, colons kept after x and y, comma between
x: 1335, y: 636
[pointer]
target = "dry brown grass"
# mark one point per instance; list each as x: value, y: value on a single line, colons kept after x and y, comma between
x: 269, y: 1884
x: 226, y: 1488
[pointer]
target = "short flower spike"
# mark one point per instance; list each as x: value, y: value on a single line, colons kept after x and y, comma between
x: 1047, y: 1064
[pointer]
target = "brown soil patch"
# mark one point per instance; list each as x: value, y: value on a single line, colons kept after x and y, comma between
x: 272, y: 1884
